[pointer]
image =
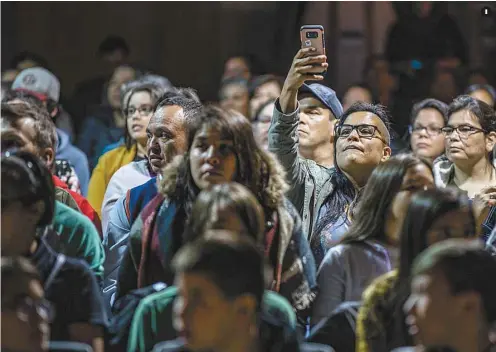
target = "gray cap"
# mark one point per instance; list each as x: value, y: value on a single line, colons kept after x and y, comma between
x: 39, y: 82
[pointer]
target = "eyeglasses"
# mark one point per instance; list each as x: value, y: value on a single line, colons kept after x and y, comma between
x: 464, y: 131
x: 142, y: 110
x: 430, y: 130
x: 364, y: 131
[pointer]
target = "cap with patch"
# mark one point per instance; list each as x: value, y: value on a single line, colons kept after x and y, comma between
x: 39, y: 82
x: 326, y: 95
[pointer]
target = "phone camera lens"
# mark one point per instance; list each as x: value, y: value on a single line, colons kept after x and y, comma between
x: 312, y: 34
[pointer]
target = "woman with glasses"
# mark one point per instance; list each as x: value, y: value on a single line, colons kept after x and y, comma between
x: 470, y: 136
x: 26, y: 229
x: 138, y: 102
x: 426, y: 138
x: 370, y: 246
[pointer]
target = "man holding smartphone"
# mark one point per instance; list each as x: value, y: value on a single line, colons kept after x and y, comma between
x: 305, y: 113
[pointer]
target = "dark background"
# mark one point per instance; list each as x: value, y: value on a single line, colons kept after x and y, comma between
x: 189, y: 41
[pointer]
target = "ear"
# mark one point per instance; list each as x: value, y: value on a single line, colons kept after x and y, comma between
x: 490, y: 141
x: 245, y: 307
x: 386, y: 154
x: 332, y: 127
x: 36, y: 210
x: 470, y: 302
x: 48, y: 156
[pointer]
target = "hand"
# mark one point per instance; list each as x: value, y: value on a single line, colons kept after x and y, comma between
x: 483, y: 201
x: 303, y: 63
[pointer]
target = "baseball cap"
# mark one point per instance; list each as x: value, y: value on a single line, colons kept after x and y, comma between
x: 326, y: 95
x: 38, y: 82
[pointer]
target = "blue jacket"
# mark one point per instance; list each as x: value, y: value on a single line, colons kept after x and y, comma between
x: 65, y: 150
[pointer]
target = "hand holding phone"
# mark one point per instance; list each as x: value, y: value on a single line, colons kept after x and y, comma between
x: 312, y: 36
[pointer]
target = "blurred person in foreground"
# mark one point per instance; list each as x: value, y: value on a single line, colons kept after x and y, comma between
x: 452, y: 301
x: 25, y: 312
x: 69, y: 283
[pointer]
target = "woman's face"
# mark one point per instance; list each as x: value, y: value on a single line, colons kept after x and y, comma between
x: 266, y: 92
x: 235, y: 97
x: 121, y: 75
x: 483, y: 95
x: 138, y: 114
x: 427, y: 140
x: 469, y: 145
x: 212, y: 158
x: 417, y: 178
x: 261, y: 126
x: 454, y: 224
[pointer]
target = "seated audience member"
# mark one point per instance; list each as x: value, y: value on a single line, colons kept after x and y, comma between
x: 427, y: 119
x: 228, y: 275
x: 68, y: 283
x: 482, y: 92
x: 105, y: 123
x: 25, y: 312
x: 228, y: 207
x: 469, y: 164
x: 432, y: 216
x: 221, y: 149
x: 234, y: 95
x: 263, y: 89
x: 358, y: 92
x: 138, y: 102
x: 43, y: 85
x: 370, y: 246
x: 168, y: 132
x: 261, y: 123
x: 28, y: 127
x: 452, y: 297
x: 166, y: 138
x: 315, y: 189
x: 237, y: 67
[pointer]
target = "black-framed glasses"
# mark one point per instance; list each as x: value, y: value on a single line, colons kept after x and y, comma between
x: 363, y: 130
x: 144, y: 110
x: 430, y: 130
x: 463, y: 131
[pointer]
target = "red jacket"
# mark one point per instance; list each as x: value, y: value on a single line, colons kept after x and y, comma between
x: 82, y: 203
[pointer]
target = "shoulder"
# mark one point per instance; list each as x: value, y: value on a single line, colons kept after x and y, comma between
x: 111, y: 154
x: 157, y: 302
x: 380, y: 286
x: 70, y: 217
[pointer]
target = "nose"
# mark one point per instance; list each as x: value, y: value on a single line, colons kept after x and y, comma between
x: 423, y: 133
x: 303, y: 118
x: 211, y: 156
x: 353, y: 136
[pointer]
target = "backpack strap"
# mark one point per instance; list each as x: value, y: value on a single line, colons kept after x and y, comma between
x: 55, y: 270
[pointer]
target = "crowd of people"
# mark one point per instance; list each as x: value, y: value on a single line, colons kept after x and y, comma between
x: 280, y: 218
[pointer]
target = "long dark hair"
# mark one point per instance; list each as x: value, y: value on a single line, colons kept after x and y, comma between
x: 383, y: 185
x: 257, y: 170
x: 425, y: 207
x: 345, y: 195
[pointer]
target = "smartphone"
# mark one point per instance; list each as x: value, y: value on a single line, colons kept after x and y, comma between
x: 313, y: 36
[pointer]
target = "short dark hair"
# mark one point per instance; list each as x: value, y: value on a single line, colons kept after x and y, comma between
x: 430, y: 103
x: 26, y: 169
x: 111, y: 44
x: 183, y: 97
x: 467, y: 266
x: 15, y: 271
x: 28, y: 55
x: 259, y: 81
x: 46, y: 132
x: 376, y: 109
x: 484, y: 113
x: 235, y: 267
